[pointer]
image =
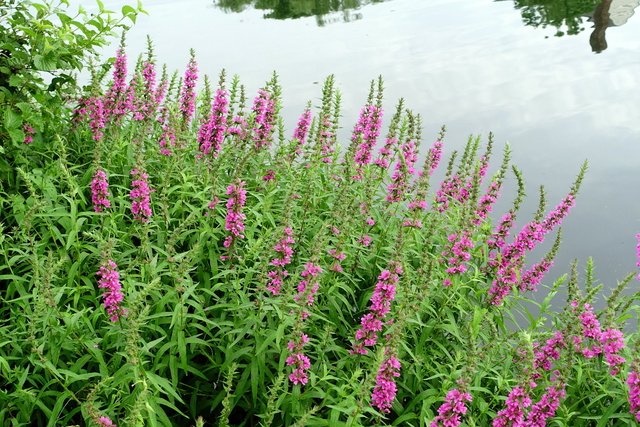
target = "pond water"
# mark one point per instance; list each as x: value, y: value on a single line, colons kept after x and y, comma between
x: 527, y: 73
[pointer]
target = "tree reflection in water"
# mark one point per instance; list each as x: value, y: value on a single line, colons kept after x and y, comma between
x: 292, y: 9
x: 569, y: 17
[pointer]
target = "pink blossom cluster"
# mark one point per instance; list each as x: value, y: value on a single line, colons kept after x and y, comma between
x: 188, y: 93
x: 498, y: 237
x: 485, y: 204
x: 110, y: 280
x: 100, y: 191
x: 105, y: 422
x: 326, y: 141
x: 404, y: 169
x: 546, y: 407
x: 452, y: 188
x: 519, y: 400
x: 456, y: 252
x: 211, y: 133
x: 383, y: 294
x: 285, y: 252
x: 168, y: 136
x: 117, y: 99
x: 609, y: 341
x: 300, y: 134
x: 530, y: 279
x: 384, y: 392
x: 28, y: 133
x: 450, y: 413
x: 152, y: 96
x: 270, y: 175
x: 93, y: 107
x: 298, y: 359
x: 234, y: 219
x: 339, y: 256
x: 264, y: 109
x: 633, y: 381
x: 366, y: 132
x: 508, y: 268
x: 513, y: 415
x: 546, y: 354
x: 433, y: 156
x: 141, y: 196
x: 308, y: 287
x: 385, y: 153
x: 238, y: 127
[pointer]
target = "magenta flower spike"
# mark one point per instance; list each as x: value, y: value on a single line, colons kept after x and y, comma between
x: 211, y: 133
x: 141, y: 196
x: 633, y: 381
x: 100, y: 191
x: 113, y: 297
x: 188, y: 93
x: 451, y: 411
x: 380, y: 306
x: 385, y: 389
x: 366, y: 132
x: 545, y: 408
x: 234, y: 220
x: 513, y: 416
x: 264, y: 109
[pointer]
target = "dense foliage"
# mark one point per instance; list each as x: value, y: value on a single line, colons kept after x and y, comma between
x: 170, y: 257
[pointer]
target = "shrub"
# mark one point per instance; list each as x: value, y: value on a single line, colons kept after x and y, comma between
x: 181, y: 258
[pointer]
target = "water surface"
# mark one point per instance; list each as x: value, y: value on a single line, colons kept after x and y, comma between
x: 475, y: 66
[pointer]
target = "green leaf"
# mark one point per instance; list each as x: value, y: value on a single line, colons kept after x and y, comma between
x: 12, y: 120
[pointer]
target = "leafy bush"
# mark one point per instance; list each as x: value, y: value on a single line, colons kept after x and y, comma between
x: 181, y: 259
x: 42, y: 46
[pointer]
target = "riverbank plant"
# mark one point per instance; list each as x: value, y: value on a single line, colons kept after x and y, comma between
x: 175, y: 257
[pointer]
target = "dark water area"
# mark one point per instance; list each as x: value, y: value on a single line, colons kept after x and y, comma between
x: 557, y: 80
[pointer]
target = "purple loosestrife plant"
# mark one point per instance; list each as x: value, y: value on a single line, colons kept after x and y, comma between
x: 116, y: 99
x: 298, y: 360
x: 366, y: 132
x: 113, y: 297
x: 100, y: 191
x: 514, y: 414
x: 212, y: 131
x: 188, y: 93
x: 105, y: 422
x: 383, y: 295
x: 28, y: 133
x: 546, y: 407
x: 633, y: 381
x: 385, y: 389
x: 285, y: 252
x: 264, y: 120
x: 140, y: 196
x: 234, y: 219
x: 451, y: 411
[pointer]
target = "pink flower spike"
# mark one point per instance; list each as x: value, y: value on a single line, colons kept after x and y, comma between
x: 113, y: 297
x: 100, y: 191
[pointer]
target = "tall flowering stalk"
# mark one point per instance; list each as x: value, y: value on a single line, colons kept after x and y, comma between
x: 383, y: 296
x: 457, y: 253
x: 113, y: 297
x: 100, y: 191
x: 299, y: 136
x: 211, y: 133
x: 116, y: 101
x: 141, y: 196
x: 285, y: 252
x: 451, y: 411
x: 307, y: 288
x: 264, y: 120
x: 511, y: 260
x: 633, y: 381
x: 234, y: 219
x: 366, y: 132
x: 188, y: 93
x: 514, y: 414
x: 385, y: 389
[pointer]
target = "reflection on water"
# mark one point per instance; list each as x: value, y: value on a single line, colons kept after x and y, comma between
x: 570, y: 16
x: 292, y: 9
